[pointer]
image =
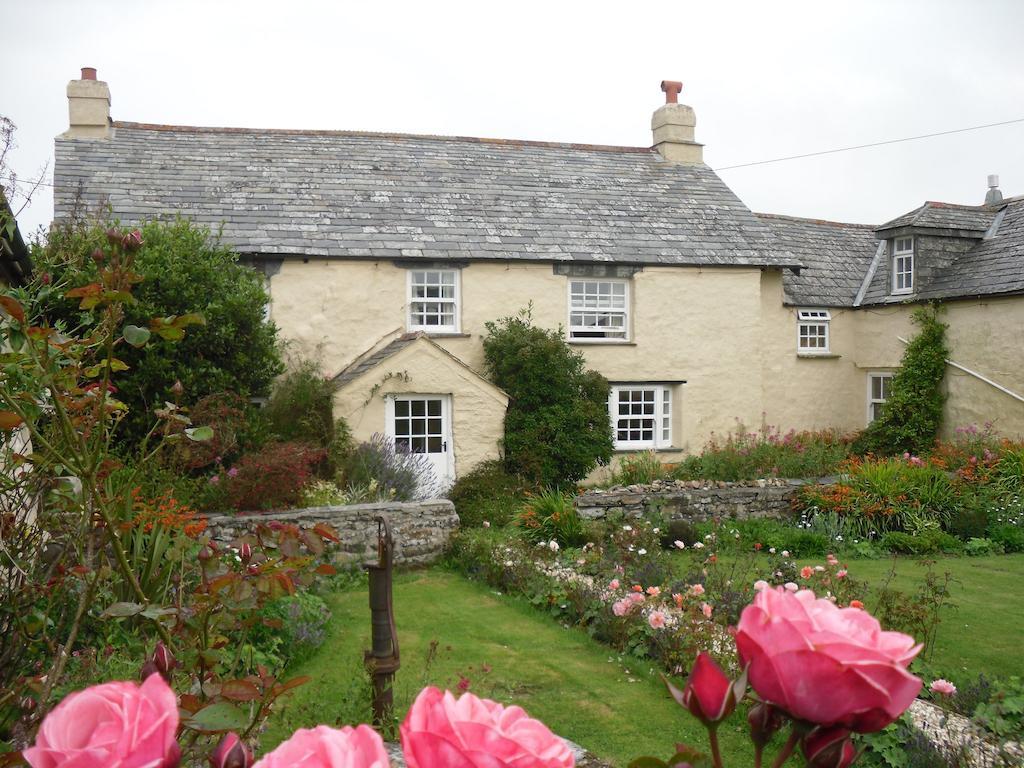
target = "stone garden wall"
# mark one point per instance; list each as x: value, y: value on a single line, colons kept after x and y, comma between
x: 695, y: 500
x: 421, y: 528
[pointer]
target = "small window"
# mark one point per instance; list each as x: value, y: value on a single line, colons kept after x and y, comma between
x: 434, y: 300
x: 598, y: 310
x: 878, y: 392
x: 903, y: 265
x: 812, y: 331
x: 641, y: 416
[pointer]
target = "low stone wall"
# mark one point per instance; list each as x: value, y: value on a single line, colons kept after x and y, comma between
x: 694, y: 500
x: 421, y: 528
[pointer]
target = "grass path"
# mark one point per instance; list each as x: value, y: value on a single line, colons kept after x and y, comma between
x: 617, y: 709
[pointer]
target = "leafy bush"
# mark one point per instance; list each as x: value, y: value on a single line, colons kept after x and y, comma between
x: 912, y: 415
x: 289, y: 629
x: 227, y: 414
x: 640, y: 469
x: 1009, y: 537
x: 1003, y: 713
x: 924, y: 543
x: 744, y: 455
x: 322, y: 493
x: 487, y: 493
x: 551, y: 516
x: 395, y: 473
x: 270, y: 478
x: 301, y: 407
x: 184, y: 271
x: 982, y: 547
x: 556, y: 428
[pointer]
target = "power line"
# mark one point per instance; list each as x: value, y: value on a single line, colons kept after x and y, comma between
x: 873, y: 144
x: 745, y: 165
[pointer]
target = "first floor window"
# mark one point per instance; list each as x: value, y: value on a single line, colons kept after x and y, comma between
x: 903, y: 265
x: 598, y: 309
x: 434, y: 300
x: 878, y: 392
x: 641, y: 416
x: 812, y: 330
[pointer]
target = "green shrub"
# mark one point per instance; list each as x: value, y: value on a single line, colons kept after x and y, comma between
x: 551, y: 516
x: 912, y: 415
x: 925, y: 543
x: 745, y: 455
x: 289, y: 629
x: 678, y: 530
x: 640, y: 469
x: 185, y: 270
x: 1009, y: 537
x: 487, y: 493
x: 556, y: 428
x: 982, y: 547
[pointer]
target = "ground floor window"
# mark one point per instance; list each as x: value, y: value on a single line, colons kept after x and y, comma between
x: 878, y: 392
x: 641, y: 416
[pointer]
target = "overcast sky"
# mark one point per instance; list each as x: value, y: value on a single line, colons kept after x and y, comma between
x: 767, y: 79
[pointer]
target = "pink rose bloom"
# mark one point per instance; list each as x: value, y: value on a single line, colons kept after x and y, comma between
x: 944, y: 687
x: 656, y: 619
x: 635, y: 597
x: 697, y: 589
x: 622, y: 607
x: 653, y: 591
x: 806, y: 572
x: 613, y: 584
x: 114, y: 725
x: 790, y: 586
x: 441, y: 731
x: 325, y: 747
x: 707, y: 610
x: 824, y: 664
x: 760, y: 584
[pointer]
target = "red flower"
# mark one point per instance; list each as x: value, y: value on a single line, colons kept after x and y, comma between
x: 828, y: 748
x: 709, y: 695
x: 231, y: 752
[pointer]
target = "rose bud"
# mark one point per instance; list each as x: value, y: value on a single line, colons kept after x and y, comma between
x: 764, y: 721
x: 148, y: 669
x: 28, y: 704
x: 709, y: 694
x: 98, y: 256
x: 245, y: 552
x: 164, y: 661
x: 205, y: 554
x: 177, y: 389
x: 829, y: 748
x: 231, y: 752
x: 114, y: 237
x: 132, y: 241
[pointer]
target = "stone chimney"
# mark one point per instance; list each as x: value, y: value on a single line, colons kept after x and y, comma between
x: 993, y: 196
x: 673, y: 125
x: 88, y: 107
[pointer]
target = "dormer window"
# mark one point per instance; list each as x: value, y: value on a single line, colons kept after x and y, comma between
x: 903, y: 265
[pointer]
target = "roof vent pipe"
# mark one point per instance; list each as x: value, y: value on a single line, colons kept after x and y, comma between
x: 993, y: 196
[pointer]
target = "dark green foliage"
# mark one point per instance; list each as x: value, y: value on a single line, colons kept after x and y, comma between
x: 927, y: 542
x: 487, y: 493
x: 184, y: 271
x: 557, y: 428
x: 301, y: 408
x: 678, y: 530
x: 912, y: 415
x: 551, y: 516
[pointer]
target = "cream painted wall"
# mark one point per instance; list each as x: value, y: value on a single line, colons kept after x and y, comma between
x: 724, y: 331
x: 692, y: 324
x: 478, y: 407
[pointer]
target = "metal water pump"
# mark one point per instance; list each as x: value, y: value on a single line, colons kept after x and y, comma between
x: 382, y: 660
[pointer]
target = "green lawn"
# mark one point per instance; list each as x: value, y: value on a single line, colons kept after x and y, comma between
x: 983, y: 632
x: 616, y: 708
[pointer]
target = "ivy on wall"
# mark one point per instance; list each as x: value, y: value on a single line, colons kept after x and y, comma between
x: 912, y: 415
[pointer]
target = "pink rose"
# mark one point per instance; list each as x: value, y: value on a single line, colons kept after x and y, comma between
x: 823, y: 664
x: 944, y: 687
x: 622, y: 607
x: 613, y: 584
x: 441, y: 731
x: 114, y: 725
x: 656, y: 619
x: 325, y: 747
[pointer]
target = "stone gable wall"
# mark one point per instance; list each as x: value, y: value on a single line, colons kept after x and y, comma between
x: 421, y: 528
x: 695, y: 500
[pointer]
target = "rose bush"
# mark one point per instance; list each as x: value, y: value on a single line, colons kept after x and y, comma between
x: 114, y: 725
x: 788, y: 637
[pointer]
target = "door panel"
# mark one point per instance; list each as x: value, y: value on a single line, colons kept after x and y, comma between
x: 422, y: 424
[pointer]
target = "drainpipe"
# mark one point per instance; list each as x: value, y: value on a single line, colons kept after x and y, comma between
x: 977, y: 375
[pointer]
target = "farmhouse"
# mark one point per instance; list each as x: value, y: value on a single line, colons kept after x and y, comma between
x: 387, y: 254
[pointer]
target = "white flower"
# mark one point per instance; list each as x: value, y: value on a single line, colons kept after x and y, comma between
x: 771, y: 550
x: 736, y: 535
x: 487, y: 523
x: 698, y: 545
x: 642, y: 552
x: 553, y: 545
x: 627, y: 528
x: 785, y: 553
x: 508, y: 563
x: 708, y: 537
x: 680, y: 544
x: 656, y: 530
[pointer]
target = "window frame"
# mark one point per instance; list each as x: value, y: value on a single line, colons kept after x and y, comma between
x: 624, y: 312
x: 806, y: 318
x: 662, y: 417
x: 906, y: 255
x: 871, y: 399
x: 455, y: 301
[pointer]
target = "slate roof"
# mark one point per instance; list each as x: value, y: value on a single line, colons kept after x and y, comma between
x: 994, y: 266
x: 359, y: 367
x: 935, y: 215
x: 835, y: 256
x: 392, y: 196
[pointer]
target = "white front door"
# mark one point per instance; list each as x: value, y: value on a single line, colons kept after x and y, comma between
x: 423, y: 424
